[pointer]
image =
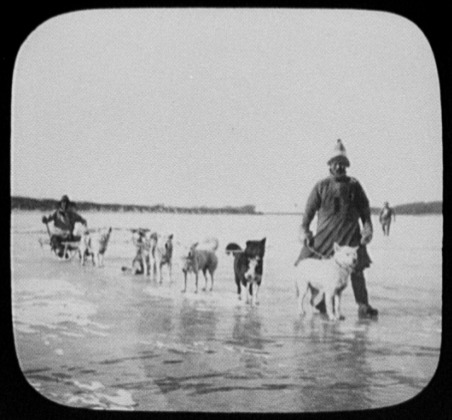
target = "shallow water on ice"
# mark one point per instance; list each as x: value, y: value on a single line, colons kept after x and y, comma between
x: 98, y: 338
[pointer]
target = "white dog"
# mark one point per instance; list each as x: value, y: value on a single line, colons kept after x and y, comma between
x: 160, y: 254
x: 94, y: 246
x: 329, y: 276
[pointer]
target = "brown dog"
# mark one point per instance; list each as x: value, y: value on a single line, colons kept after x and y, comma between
x: 201, y: 257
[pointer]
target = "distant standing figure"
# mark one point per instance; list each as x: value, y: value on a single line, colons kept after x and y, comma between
x: 340, y: 203
x: 64, y: 219
x: 386, y: 216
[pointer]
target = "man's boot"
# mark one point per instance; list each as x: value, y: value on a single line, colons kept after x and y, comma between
x: 365, y: 311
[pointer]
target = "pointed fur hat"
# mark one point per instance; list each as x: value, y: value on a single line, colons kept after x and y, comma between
x: 339, y: 153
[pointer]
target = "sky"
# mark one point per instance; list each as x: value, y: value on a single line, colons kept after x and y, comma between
x: 224, y: 107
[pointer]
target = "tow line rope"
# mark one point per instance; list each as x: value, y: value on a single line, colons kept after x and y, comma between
x: 315, y: 252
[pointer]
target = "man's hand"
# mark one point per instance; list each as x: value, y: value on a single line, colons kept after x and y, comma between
x: 307, y: 238
x: 366, y: 235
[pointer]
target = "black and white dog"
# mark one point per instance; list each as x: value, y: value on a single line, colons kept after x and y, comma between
x: 248, y: 267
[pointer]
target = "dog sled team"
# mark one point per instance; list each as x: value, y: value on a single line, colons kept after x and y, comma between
x: 65, y: 241
x: 328, y: 261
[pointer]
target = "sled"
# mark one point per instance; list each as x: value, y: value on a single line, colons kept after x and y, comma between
x: 69, y: 248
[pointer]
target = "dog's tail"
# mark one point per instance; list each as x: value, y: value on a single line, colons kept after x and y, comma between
x: 215, y: 243
x: 210, y: 243
x: 233, y: 248
x: 107, y: 235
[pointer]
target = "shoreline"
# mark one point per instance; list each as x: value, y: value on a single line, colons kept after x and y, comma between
x: 189, y: 213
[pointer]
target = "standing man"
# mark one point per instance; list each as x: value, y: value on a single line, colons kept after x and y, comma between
x: 64, y: 219
x: 386, y: 215
x: 340, y: 203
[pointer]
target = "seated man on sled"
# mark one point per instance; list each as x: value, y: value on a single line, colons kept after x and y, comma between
x: 64, y: 219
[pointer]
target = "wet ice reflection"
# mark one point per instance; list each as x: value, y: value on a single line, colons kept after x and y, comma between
x: 104, y: 340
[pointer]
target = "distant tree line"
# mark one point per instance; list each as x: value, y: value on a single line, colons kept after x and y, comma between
x: 431, y: 207
x: 47, y: 205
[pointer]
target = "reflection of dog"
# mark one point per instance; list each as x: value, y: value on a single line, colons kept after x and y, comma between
x: 94, y: 246
x: 248, y: 267
x: 160, y: 254
x: 329, y: 276
x: 201, y: 257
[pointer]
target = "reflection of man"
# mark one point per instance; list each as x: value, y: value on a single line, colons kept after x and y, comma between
x: 386, y: 215
x: 339, y: 202
x: 64, y: 219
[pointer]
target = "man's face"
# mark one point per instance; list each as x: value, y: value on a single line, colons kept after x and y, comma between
x: 64, y: 204
x: 338, y: 168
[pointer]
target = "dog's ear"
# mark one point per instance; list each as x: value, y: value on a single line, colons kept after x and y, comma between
x: 263, y: 241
